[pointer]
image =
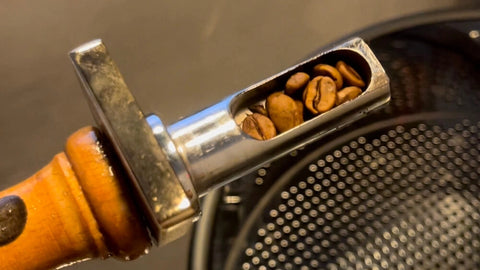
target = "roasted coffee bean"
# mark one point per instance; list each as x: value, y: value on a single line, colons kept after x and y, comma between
x: 320, y: 94
x: 296, y: 82
x: 347, y: 93
x: 328, y: 94
x: 311, y: 95
x: 327, y: 70
x: 283, y: 111
x: 257, y: 108
x: 259, y: 127
x: 350, y: 75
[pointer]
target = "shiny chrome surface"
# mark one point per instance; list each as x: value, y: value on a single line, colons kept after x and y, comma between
x: 216, y: 150
x: 168, y: 206
x: 171, y: 153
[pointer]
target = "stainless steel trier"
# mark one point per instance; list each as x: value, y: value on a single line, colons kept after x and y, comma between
x: 170, y: 167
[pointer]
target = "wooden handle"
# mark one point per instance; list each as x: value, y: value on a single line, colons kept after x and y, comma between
x: 75, y: 208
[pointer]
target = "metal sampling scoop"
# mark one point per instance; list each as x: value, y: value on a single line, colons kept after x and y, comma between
x: 171, y: 167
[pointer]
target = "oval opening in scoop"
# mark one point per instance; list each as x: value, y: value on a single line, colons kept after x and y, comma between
x: 289, y: 99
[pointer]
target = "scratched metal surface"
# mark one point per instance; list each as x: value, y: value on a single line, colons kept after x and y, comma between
x: 176, y: 56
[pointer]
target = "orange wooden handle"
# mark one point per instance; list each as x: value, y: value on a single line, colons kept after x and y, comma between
x: 75, y: 208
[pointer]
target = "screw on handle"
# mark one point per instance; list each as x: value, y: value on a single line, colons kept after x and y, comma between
x: 75, y: 208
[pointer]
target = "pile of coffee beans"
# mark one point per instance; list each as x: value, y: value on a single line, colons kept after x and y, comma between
x: 304, y: 97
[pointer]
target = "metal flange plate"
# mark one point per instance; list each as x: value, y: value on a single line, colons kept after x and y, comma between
x: 167, y: 205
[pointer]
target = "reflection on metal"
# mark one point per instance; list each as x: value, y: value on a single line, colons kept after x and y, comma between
x: 474, y: 34
x: 232, y: 199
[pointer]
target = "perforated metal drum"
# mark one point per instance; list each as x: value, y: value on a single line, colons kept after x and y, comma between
x: 398, y: 190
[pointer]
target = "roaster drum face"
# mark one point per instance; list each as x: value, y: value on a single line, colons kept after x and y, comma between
x: 397, y: 190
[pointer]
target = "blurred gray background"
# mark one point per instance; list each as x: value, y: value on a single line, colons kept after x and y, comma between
x: 176, y: 56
